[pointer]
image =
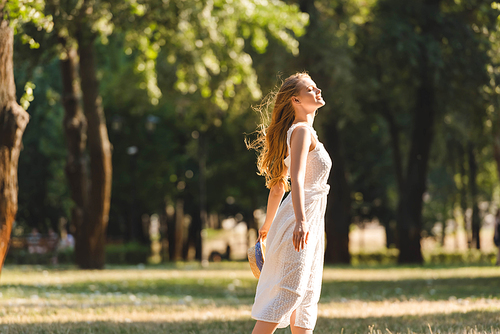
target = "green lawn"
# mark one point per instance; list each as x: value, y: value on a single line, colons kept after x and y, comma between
x: 190, y: 299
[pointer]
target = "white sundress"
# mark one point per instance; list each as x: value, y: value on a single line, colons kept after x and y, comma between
x: 291, y: 280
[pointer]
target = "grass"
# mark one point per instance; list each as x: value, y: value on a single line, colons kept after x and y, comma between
x: 189, y: 299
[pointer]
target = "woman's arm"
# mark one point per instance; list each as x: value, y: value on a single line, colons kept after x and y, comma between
x: 273, y: 202
x: 300, y: 144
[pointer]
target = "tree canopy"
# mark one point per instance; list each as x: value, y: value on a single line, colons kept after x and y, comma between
x: 411, y: 116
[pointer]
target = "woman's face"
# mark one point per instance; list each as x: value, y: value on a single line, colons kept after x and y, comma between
x: 309, y: 96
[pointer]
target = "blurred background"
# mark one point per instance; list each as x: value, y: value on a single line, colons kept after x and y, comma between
x: 141, y: 108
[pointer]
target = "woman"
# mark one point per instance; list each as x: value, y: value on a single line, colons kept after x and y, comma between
x: 290, y: 282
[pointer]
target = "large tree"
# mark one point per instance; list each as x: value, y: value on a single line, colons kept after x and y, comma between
x: 13, y: 121
x: 422, y: 58
x: 85, y: 126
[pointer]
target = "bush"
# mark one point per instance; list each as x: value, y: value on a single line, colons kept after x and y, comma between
x: 22, y: 256
x: 472, y: 256
x: 131, y: 253
x: 439, y: 256
x: 385, y: 256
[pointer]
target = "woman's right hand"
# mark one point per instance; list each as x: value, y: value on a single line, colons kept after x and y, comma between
x: 300, y: 236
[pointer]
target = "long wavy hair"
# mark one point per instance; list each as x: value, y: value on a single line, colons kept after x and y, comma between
x: 271, y: 134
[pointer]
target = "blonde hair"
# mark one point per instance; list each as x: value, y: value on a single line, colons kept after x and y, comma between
x: 271, y: 135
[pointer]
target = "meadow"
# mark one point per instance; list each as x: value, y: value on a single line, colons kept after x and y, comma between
x: 187, y: 298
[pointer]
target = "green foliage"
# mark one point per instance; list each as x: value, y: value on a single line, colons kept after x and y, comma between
x: 205, y: 41
x: 196, y: 67
x: 43, y: 191
x: 166, y: 166
x: 28, y: 95
x: 393, y: 44
x: 141, y: 43
x: 20, y: 12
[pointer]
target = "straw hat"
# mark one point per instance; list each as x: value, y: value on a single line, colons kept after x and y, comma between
x: 256, y: 257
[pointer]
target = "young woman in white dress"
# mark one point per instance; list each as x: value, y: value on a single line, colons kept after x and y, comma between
x: 290, y: 282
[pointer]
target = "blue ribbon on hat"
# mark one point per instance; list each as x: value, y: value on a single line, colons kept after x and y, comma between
x: 259, y: 258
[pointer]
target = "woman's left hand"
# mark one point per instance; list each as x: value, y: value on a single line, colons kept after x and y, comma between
x: 263, y: 232
x: 300, y: 236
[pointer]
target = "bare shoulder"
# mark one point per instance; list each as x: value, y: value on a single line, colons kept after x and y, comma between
x: 301, y: 134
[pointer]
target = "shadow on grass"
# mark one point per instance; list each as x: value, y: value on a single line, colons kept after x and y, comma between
x: 175, y: 288
x: 425, y: 289
x: 484, y: 321
x: 472, y: 322
x: 225, y: 291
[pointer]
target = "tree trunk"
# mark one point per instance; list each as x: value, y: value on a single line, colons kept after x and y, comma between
x: 171, y: 219
x: 199, y: 225
x: 91, y: 253
x: 443, y: 226
x: 179, y: 230
x: 397, y: 161
x: 396, y: 148
x: 251, y: 221
x: 134, y: 217
x: 409, y: 215
x: 450, y: 146
x: 475, y: 220
x: 463, y: 190
x: 13, y: 121
x: 390, y: 238
x: 338, y: 212
x: 75, y: 131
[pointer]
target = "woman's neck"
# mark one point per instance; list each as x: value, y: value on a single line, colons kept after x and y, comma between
x: 308, y: 119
